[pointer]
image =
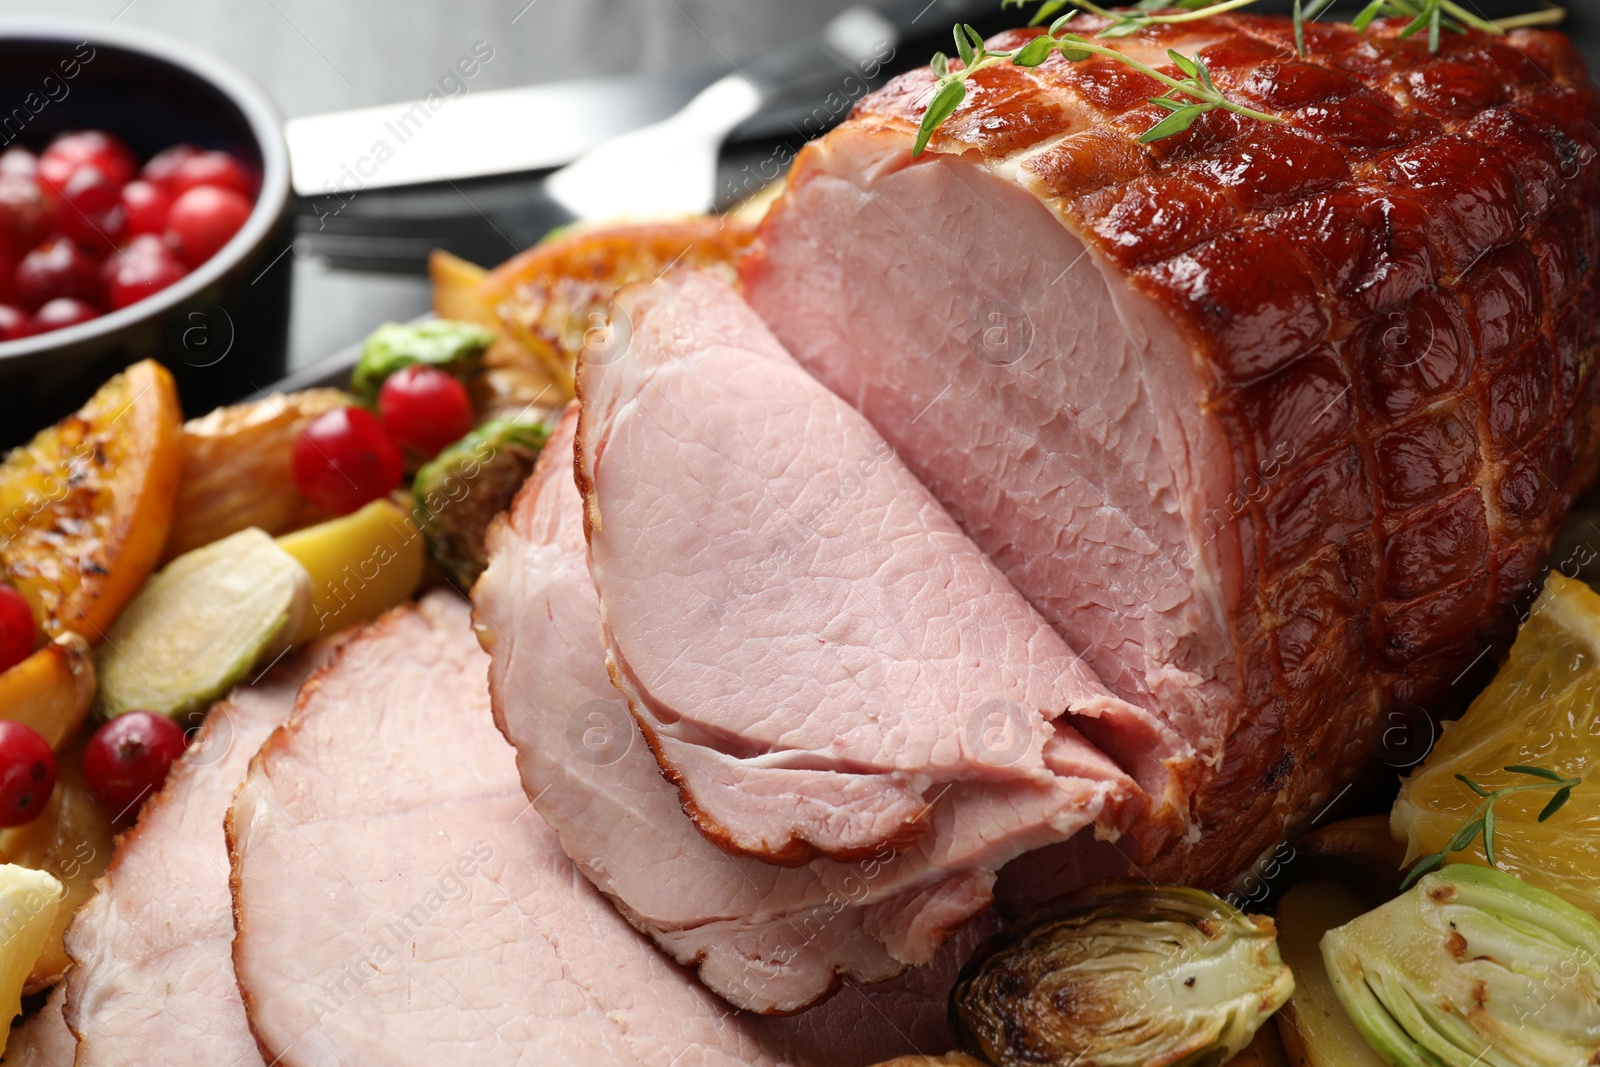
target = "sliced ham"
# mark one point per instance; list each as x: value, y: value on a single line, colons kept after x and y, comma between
x: 1273, y: 422
x: 42, y: 1039
x: 398, y: 901
x: 765, y: 938
x: 814, y: 650
x: 152, y: 977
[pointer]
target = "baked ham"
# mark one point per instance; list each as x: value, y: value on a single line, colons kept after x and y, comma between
x: 152, y: 976
x: 1273, y: 423
x: 766, y: 938
x: 42, y: 1039
x: 397, y: 901
x: 814, y: 650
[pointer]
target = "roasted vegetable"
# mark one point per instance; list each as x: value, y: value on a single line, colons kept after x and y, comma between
x: 1472, y: 967
x: 549, y: 297
x: 1539, y: 711
x: 461, y: 491
x: 1266, y: 1050
x: 1315, y: 1029
x: 52, y: 690
x: 85, y: 506
x: 197, y: 627
x: 29, y: 900
x: 71, y: 840
x: 360, y: 565
x: 1122, y: 975
x: 236, y: 471
x: 444, y: 343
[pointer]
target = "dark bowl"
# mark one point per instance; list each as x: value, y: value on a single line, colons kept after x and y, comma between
x: 223, y: 329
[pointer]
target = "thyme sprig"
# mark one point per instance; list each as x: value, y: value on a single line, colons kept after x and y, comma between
x: 1199, y: 94
x: 1482, y: 819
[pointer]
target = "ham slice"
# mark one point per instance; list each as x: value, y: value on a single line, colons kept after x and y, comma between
x: 152, y: 976
x: 814, y: 650
x: 398, y: 901
x: 1273, y: 422
x: 42, y: 1039
x: 766, y: 938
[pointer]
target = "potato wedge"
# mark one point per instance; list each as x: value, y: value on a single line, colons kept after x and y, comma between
x: 361, y: 565
x: 52, y: 690
x: 71, y: 839
x: 86, y: 505
x: 458, y: 289
x: 1315, y: 1030
x: 550, y: 296
x: 236, y: 469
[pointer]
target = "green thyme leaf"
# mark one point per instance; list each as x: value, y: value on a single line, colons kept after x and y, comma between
x: 1537, y: 772
x: 1470, y: 784
x: 1175, y: 123
x: 1183, y: 63
x: 1368, y: 14
x: 964, y: 47
x: 1035, y: 52
x: 1488, y: 835
x: 1424, y: 865
x: 945, y: 100
x: 1557, y: 802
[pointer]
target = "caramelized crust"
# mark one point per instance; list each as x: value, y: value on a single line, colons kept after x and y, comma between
x: 1395, y: 290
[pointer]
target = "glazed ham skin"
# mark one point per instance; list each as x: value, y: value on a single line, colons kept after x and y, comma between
x: 814, y: 650
x: 765, y: 938
x: 152, y: 976
x: 1274, y: 423
x: 397, y: 901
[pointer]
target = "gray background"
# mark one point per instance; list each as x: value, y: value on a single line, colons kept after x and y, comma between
x: 328, y: 55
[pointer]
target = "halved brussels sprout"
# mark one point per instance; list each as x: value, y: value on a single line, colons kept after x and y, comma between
x: 1472, y: 967
x: 465, y: 486
x: 1122, y: 975
x: 444, y: 343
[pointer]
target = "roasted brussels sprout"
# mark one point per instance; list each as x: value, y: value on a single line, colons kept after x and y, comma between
x: 450, y: 345
x: 1472, y: 966
x: 465, y: 486
x: 1122, y: 975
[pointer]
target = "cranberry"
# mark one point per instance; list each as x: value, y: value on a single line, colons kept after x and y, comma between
x: 203, y: 219
x: 61, y: 160
x: 424, y: 408
x: 24, y: 213
x: 27, y: 773
x: 139, y: 269
x: 14, y: 323
x: 164, y: 165
x: 56, y: 268
x: 345, y: 458
x: 90, y: 211
x: 18, y: 160
x: 60, y: 313
x: 18, y: 632
x: 128, y: 758
x: 210, y: 168
x: 145, y: 205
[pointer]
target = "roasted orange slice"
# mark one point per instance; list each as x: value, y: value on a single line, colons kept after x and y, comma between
x: 85, y: 506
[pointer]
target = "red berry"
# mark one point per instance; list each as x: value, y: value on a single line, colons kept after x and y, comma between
x: 24, y: 213
x: 59, y: 162
x: 18, y: 632
x: 56, y: 268
x: 424, y: 408
x: 145, y: 206
x: 345, y: 458
x: 140, y: 268
x: 128, y: 758
x: 164, y: 164
x: 60, y: 313
x: 27, y: 773
x: 210, y: 168
x: 90, y: 209
x: 203, y: 219
x: 18, y: 160
x: 13, y: 323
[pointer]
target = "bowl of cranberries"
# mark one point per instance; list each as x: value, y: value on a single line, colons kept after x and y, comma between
x: 144, y: 213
